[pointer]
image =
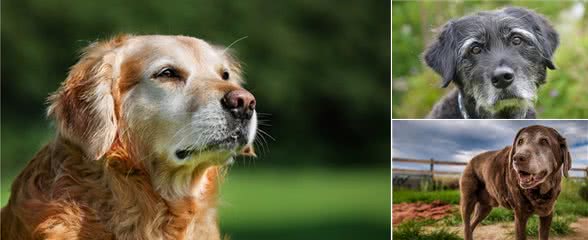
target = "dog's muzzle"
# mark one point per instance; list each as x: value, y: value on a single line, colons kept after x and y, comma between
x: 241, y: 105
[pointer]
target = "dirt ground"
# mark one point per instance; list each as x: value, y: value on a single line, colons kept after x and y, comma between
x: 501, y: 231
x: 407, y: 211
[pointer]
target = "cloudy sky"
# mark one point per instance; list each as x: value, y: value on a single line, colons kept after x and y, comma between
x: 460, y: 140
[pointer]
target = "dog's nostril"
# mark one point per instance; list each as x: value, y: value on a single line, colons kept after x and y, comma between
x: 502, y: 77
x: 240, y: 103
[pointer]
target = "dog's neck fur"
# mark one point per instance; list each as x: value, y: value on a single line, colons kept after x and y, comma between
x: 187, y: 194
x: 115, y: 196
x: 540, y: 195
x: 468, y: 109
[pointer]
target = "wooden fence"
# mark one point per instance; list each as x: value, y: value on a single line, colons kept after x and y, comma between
x: 432, y: 172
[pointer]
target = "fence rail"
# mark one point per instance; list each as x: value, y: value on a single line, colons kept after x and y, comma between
x: 432, y: 172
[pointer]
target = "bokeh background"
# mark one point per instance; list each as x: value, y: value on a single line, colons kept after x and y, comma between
x: 415, y: 87
x: 319, y: 70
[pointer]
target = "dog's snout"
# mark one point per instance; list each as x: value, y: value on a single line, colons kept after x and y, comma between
x: 240, y: 103
x: 502, y: 77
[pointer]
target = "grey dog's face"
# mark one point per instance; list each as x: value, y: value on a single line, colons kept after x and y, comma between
x: 536, y: 153
x: 497, y: 58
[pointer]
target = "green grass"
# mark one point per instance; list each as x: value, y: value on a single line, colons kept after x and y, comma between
x: 301, y: 204
x: 447, y: 196
x: 413, y: 230
x: 560, y: 225
x: 569, y: 201
x: 569, y: 206
x: 451, y: 220
x: 498, y: 215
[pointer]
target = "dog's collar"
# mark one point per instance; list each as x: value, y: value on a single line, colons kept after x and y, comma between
x: 462, y: 108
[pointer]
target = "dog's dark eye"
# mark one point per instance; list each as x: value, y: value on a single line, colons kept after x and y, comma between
x: 168, y: 73
x: 544, y: 142
x: 476, y: 50
x: 516, y: 41
x: 225, y: 75
x: 520, y: 141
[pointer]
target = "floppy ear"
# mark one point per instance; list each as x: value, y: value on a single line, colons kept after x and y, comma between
x: 567, y: 159
x: 513, y: 148
x: 441, y: 55
x: 565, y: 153
x: 83, y: 108
x: 545, y: 33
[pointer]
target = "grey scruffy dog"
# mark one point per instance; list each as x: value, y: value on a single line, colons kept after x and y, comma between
x: 496, y: 59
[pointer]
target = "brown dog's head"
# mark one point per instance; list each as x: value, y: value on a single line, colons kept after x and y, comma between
x: 176, y: 99
x: 538, y: 151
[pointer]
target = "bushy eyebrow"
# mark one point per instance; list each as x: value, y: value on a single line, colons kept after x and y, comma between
x: 524, y: 33
x: 466, y: 45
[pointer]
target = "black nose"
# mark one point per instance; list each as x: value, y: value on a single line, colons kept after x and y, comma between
x: 240, y: 103
x: 502, y: 77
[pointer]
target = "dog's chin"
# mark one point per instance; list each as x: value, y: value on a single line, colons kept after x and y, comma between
x: 507, y: 105
x: 214, y: 152
x: 529, y: 180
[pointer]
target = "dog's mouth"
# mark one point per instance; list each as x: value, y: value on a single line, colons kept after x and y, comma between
x: 230, y: 144
x: 529, y: 180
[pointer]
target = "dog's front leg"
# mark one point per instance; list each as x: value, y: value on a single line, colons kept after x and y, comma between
x: 544, y: 226
x: 521, y: 219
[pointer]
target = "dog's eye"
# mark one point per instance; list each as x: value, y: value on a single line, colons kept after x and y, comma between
x: 476, y: 50
x: 516, y: 41
x: 168, y: 73
x: 225, y: 75
x: 544, y: 142
x: 520, y: 141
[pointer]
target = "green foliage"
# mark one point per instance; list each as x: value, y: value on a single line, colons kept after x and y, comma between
x: 568, y: 207
x: 452, y: 220
x: 448, y: 196
x: 570, y: 202
x: 413, y: 230
x: 320, y: 73
x: 583, y: 191
x: 415, y: 86
x: 560, y: 225
x: 498, y: 215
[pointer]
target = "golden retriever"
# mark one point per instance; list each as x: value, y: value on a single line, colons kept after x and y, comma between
x: 145, y: 126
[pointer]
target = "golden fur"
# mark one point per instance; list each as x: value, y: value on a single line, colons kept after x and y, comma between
x: 108, y: 174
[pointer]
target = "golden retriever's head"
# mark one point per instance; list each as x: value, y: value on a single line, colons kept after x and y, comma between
x: 171, y: 100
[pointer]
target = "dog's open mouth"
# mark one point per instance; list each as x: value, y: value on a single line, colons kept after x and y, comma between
x: 529, y: 180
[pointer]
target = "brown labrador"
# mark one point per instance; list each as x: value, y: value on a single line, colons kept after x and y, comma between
x: 524, y: 177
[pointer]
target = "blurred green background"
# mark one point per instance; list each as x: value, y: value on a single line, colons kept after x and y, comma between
x: 319, y: 70
x: 415, y: 87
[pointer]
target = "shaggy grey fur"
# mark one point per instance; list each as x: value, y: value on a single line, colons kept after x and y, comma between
x: 496, y: 59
